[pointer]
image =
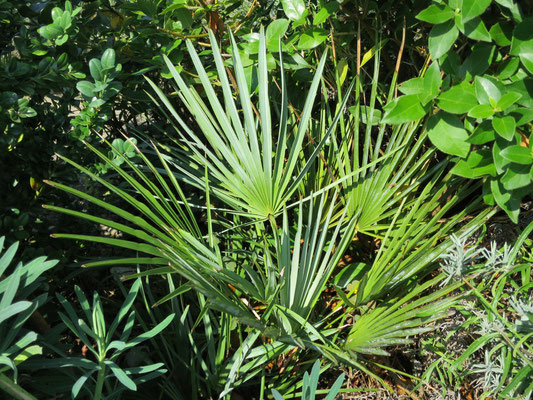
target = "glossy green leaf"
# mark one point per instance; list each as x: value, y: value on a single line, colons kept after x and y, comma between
x: 459, y: 99
x: 506, y: 3
x: 481, y: 111
x: 508, y: 68
x: 517, y: 154
x: 403, y: 109
x: 27, y: 112
x: 488, y: 88
x: 311, y: 38
x: 412, y: 86
x: 50, y: 31
x: 455, y: 4
x: 504, y: 126
x: 61, y: 40
x: 479, y: 60
x: 274, y: 32
x: 86, y: 88
x: 510, y: 204
x: 95, y: 67
x: 501, y: 33
x: 108, y: 59
x: 522, y: 43
x: 522, y: 116
x: 516, y: 177
x: 436, y: 14
x: 483, y: 133
x: 432, y: 79
x: 508, y: 99
x: 441, y: 38
x: 499, y: 162
x: 527, y: 61
x: 294, y: 9
x: 475, y: 29
x: 525, y: 88
x: 473, y: 8
x: 478, y: 163
x: 448, y: 134
x: 324, y: 13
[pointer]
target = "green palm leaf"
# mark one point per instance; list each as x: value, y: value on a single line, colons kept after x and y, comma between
x: 250, y: 177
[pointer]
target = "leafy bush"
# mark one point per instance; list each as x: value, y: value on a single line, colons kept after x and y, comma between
x: 483, y: 113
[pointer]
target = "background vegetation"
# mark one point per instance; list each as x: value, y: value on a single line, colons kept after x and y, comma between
x: 265, y: 192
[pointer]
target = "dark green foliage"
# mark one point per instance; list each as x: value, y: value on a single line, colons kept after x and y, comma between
x: 484, y: 49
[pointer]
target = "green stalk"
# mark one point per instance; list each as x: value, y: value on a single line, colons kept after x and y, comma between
x: 99, y: 381
x: 262, y: 391
x: 14, y: 390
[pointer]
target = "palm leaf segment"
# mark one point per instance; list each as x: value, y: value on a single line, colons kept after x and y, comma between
x: 253, y: 177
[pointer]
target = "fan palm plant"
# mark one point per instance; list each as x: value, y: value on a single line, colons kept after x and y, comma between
x: 274, y: 284
x: 375, y: 185
x: 253, y: 175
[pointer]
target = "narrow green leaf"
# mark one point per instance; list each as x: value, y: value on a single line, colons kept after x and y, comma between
x: 12, y: 389
x: 14, y: 309
x: 177, y: 292
x: 124, y: 309
x: 79, y: 384
x: 151, y: 333
x: 121, y: 375
x: 8, y: 255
